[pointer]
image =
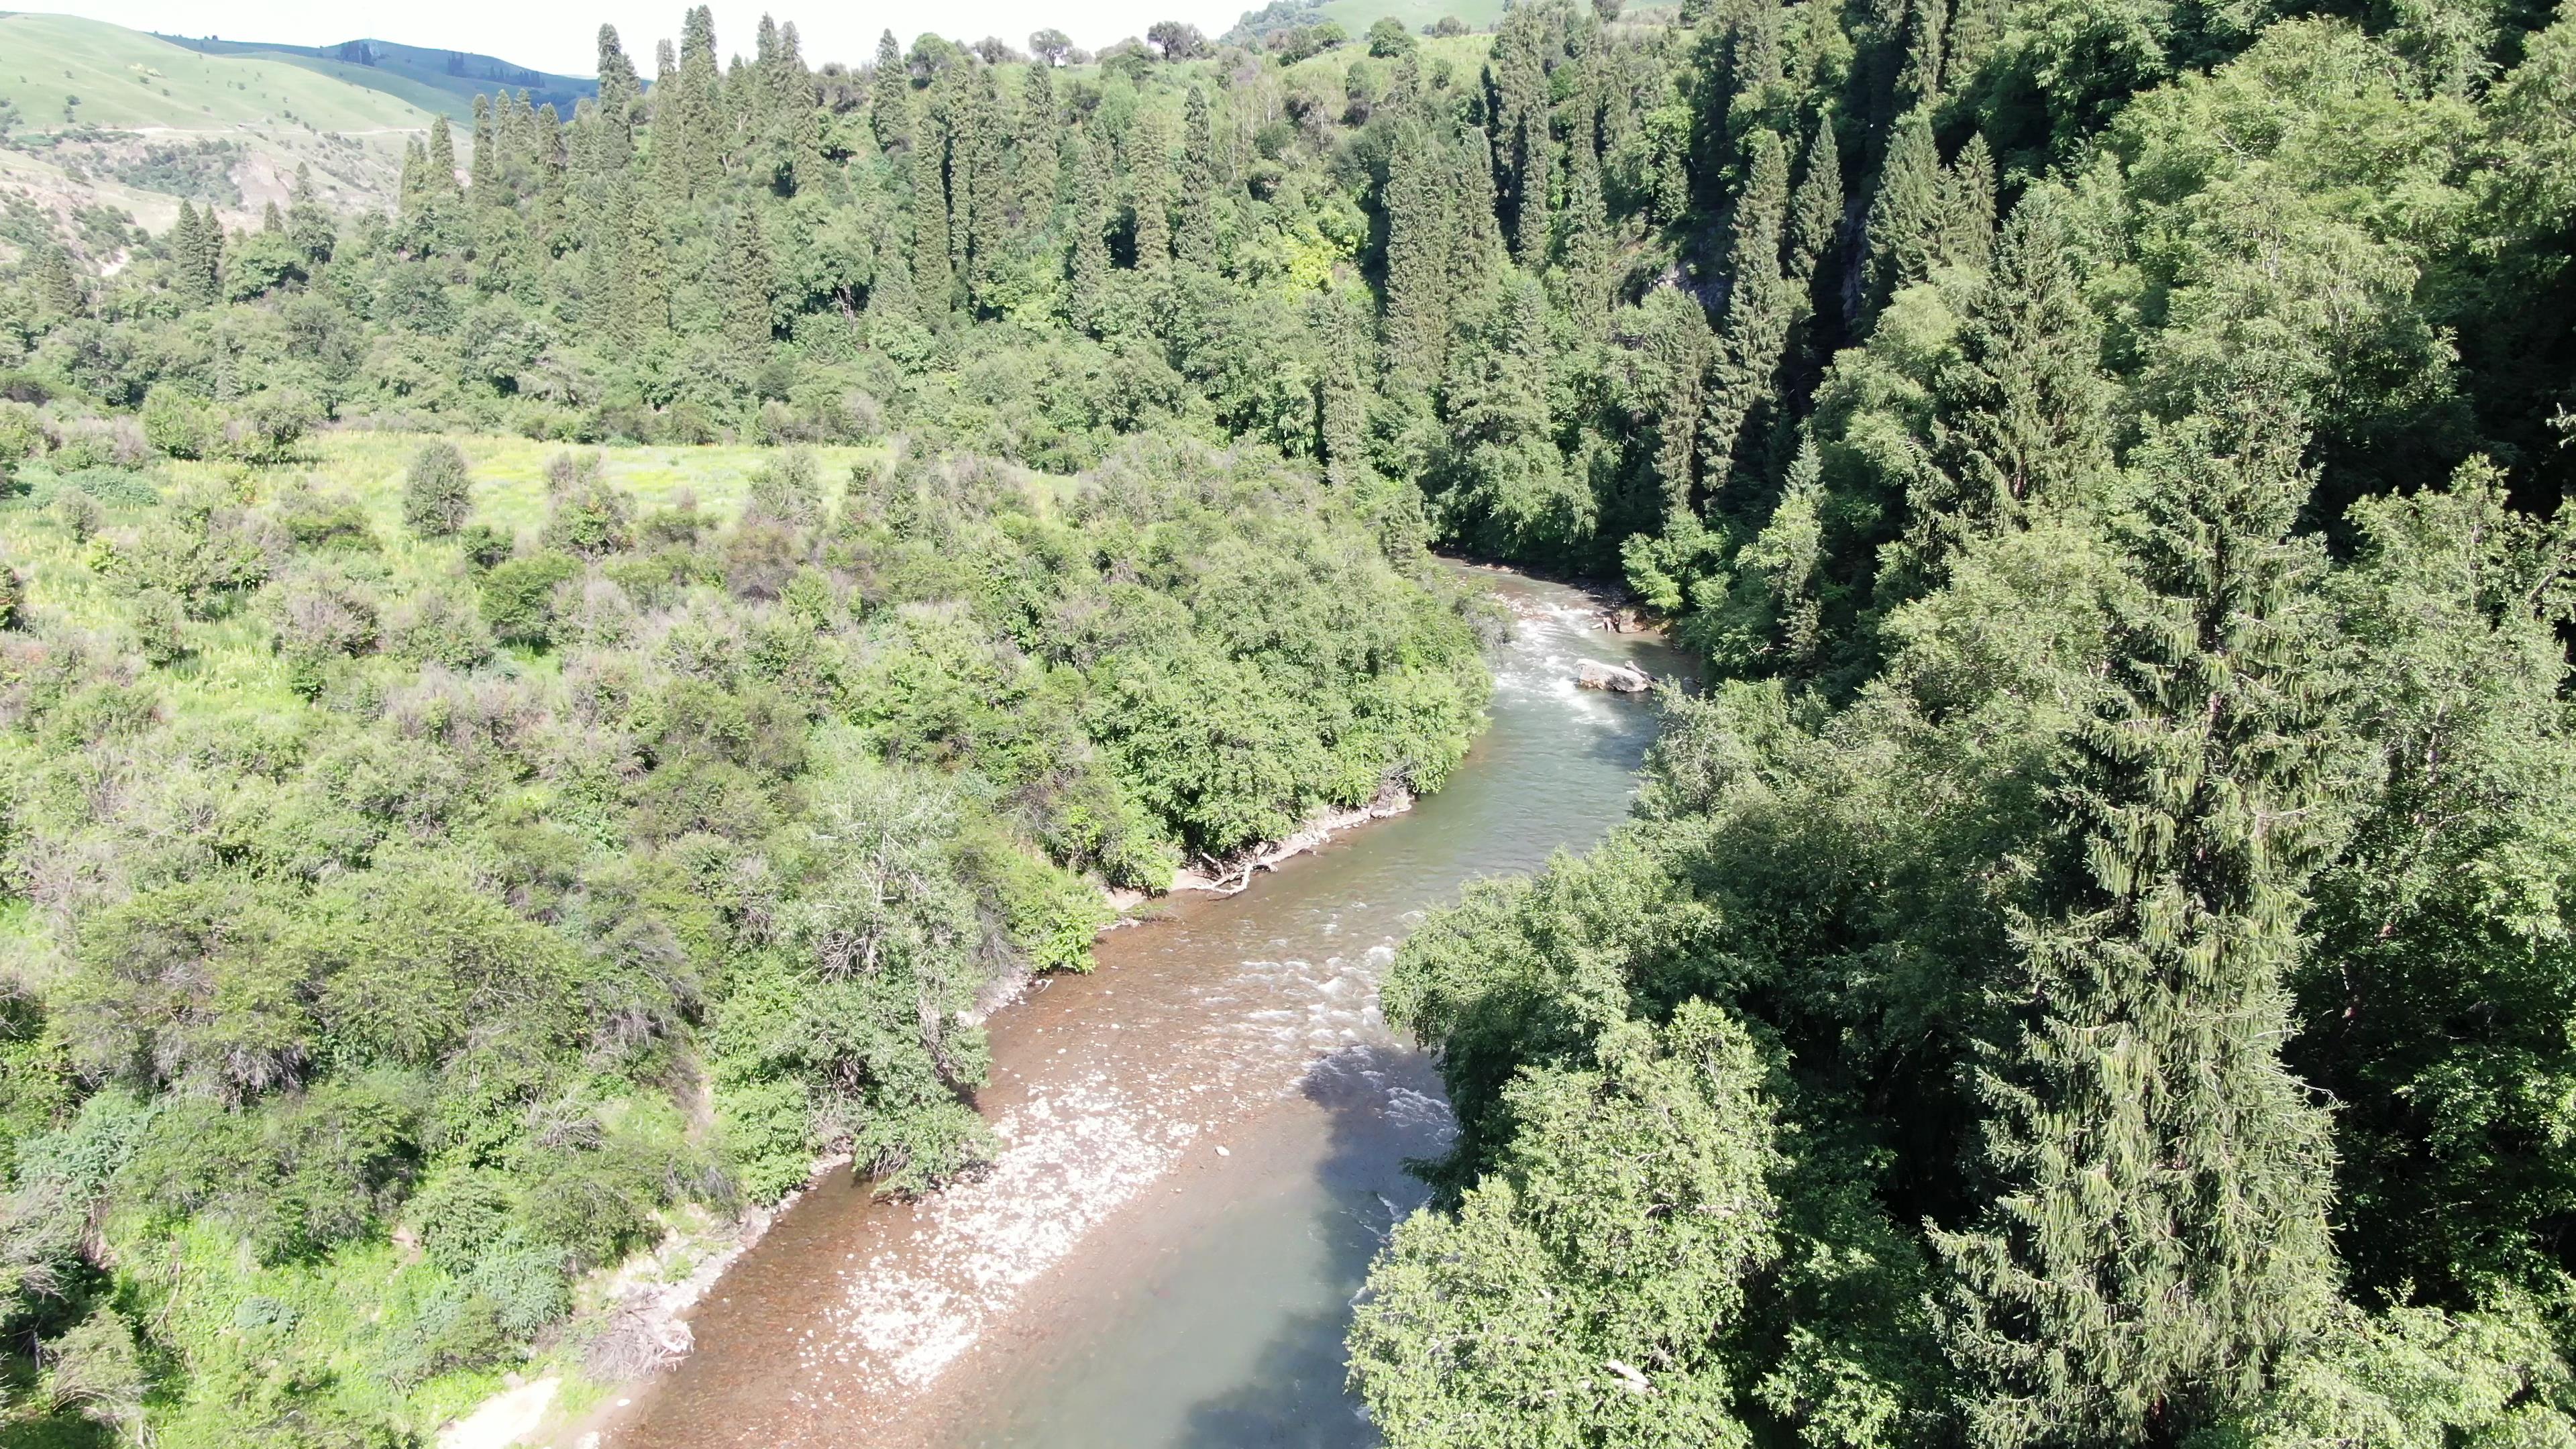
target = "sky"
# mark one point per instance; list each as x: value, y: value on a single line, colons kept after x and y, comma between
x: 562, y: 35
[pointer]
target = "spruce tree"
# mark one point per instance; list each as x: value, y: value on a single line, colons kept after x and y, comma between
x: 1341, y: 334
x: 1418, y: 245
x: 1907, y: 214
x: 1035, y: 153
x: 438, y: 491
x: 1968, y: 207
x: 648, y: 275
x: 983, y: 160
x: 931, y: 276
x: 1195, y: 238
x: 890, y: 95
x: 1149, y: 182
x: 619, y: 85
x: 1816, y: 209
x: 1089, y: 266
x: 1521, y: 142
x: 1761, y: 307
x: 2023, y: 415
x: 608, y: 297
x: 307, y: 223
x: 2156, y: 1234
x: 438, y: 176
x: 748, y: 287
x: 486, y: 172
x: 1678, y: 343
x: 1586, y: 248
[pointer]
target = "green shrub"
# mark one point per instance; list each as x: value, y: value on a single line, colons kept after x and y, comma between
x: 518, y: 596
x: 437, y: 491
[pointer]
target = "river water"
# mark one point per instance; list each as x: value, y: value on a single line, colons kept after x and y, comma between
x: 1204, y: 1144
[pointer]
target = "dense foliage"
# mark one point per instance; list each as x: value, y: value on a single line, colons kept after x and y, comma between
x: 2094, y: 969
x: 406, y: 918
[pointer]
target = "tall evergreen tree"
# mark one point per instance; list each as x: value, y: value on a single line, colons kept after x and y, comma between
x: 1761, y: 307
x: 1907, y: 214
x: 1149, y: 190
x: 486, y: 165
x: 1678, y: 343
x: 982, y: 161
x: 1035, y: 151
x: 2023, y: 415
x: 1089, y: 266
x: 438, y: 176
x: 749, y: 283
x: 1419, y: 240
x: 2157, y: 1234
x: 890, y: 95
x: 1341, y: 334
x: 931, y: 223
x: 1194, y: 240
x: 619, y: 85
x: 1521, y: 141
x: 1816, y: 208
x: 1586, y: 247
x: 1968, y: 207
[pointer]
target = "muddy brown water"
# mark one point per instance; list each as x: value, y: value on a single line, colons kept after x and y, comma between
x: 1204, y: 1144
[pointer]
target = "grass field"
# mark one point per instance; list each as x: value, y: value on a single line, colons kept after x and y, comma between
x: 230, y: 659
x: 416, y: 74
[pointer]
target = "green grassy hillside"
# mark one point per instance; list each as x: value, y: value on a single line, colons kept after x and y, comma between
x: 96, y: 114
x: 433, y: 79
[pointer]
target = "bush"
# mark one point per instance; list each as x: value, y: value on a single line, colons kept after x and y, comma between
x: 160, y: 625
x: 13, y: 598
x: 518, y: 596
x: 176, y: 424
x: 437, y: 491
x: 484, y: 545
x: 1388, y: 39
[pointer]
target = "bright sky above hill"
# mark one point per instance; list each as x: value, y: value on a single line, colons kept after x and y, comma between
x: 560, y: 35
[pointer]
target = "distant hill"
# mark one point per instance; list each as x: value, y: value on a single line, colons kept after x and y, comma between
x: 445, y: 80
x: 95, y: 115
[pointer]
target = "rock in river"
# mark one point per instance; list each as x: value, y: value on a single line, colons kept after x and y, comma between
x: 1621, y: 678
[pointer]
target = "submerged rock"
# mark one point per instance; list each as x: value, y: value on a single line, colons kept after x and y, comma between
x: 1618, y: 678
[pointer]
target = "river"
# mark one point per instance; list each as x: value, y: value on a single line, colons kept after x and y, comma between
x: 1204, y: 1143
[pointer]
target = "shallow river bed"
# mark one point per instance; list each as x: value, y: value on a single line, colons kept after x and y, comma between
x: 1203, y: 1145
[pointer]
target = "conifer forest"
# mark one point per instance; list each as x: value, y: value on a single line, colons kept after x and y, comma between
x: 534, y: 712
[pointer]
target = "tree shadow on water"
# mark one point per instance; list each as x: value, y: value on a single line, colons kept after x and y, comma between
x: 1384, y: 1106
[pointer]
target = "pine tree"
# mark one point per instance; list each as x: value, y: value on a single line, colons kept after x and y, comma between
x: 272, y: 221
x: 648, y: 275
x: 1418, y: 246
x: 890, y: 95
x: 1149, y: 181
x: 1906, y: 216
x: 688, y: 119
x: 1035, y: 152
x: 1761, y: 307
x: 748, y: 287
x: 1968, y: 207
x: 1816, y: 209
x: 1678, y: 343
x: 1089, y: 268
x: 619, y: 85
x: 438, y: 175
x: 57, y: 283
x: 2023, y: 416
x: 1341, y: 332
x: 307, y: 223
x: 1521, y: 140
x: 1918, y: 83
x: 2157, y: 1229
x: 1586, y: 247
x: 486, y: 173
x: 979, y: 188
x: 1195, y: 239
x: 931, y: 275
x: 1476, y: 257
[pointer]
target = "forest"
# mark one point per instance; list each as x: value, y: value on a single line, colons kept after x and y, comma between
x: 532, y: 716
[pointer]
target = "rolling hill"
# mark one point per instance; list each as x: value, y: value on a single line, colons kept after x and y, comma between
x: 438, y: 80
x: 96, y: 115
